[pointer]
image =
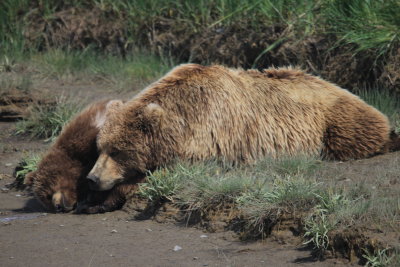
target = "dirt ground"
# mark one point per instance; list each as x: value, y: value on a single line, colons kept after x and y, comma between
x: 31, y: 237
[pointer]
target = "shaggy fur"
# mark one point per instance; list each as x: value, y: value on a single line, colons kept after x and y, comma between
x: 197, y: 112
x: 59, y: 183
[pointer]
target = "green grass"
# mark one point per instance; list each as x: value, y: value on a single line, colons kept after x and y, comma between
x: 161, y: 185
x: 58, y: 63
x: 210, y: 185
x: 384, y: 101
x: 366, y: 25
x: 28, y: 164
x: 379, y: 258
x: 195, y: 186
x: 23, y: 83
x: 272, y: 190
x: 369, y: 25
x: 134, y: 71
x: 46, y: 121
x: 317, y: 227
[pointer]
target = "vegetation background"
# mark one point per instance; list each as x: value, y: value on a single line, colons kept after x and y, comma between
x: 354, y: 43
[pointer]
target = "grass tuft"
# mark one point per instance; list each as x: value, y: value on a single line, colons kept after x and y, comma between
x: 47, y: 121
x: 378, y: 258
x: 317, y: 227
x: 28, y: 164
x: 384, y: 101
x: 161, y: 185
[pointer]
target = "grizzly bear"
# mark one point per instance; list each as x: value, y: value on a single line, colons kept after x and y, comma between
x: 205, y: 112
x: 59, y: 182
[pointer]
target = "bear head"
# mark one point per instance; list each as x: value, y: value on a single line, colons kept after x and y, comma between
x: 57, y: 188
x: 127, y: 143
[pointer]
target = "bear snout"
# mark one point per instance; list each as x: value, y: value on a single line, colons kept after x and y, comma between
x: 61, y: 203
x: 93, y: 181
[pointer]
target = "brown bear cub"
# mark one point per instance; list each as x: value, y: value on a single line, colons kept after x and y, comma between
x: 60, y: 182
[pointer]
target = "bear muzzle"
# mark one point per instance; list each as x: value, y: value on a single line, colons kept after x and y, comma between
x: 61, y: 204
x: 93, y: 181
x: 96, y: 184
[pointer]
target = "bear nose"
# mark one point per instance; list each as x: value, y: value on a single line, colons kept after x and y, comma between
x: 93, y: 180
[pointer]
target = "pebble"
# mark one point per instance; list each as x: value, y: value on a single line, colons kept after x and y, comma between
x: 177, y: 248
x: 8, y: 164
x: 203, y: 236
x: 114, y: 231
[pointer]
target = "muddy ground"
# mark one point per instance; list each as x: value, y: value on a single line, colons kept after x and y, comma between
x: 31, y: 237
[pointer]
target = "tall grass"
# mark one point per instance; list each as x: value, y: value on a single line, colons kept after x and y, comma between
x: 11, y: 27
x: 385, y: 101
x: 47, y: 121
x: 368, y: 25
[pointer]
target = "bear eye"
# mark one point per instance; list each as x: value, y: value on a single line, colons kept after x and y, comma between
x: 114, y: 154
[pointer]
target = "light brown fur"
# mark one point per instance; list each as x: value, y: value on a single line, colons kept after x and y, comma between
x: 196, y: 112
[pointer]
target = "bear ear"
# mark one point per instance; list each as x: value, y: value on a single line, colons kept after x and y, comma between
x: 29, y: 178
x: 111, y: 107
x: 153, y: 114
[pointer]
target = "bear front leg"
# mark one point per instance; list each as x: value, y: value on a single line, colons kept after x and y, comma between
x: 101, y: 202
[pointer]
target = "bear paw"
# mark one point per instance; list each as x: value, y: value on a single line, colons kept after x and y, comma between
x: 85, y: 208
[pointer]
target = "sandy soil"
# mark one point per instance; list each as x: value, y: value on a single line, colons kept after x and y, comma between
x: 30, y: 237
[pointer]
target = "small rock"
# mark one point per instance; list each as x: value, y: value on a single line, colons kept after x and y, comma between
x: 195, y: 258
x: 62, y: 225
x: 177, y: 248
x: 11, y: 257
x: 104, y: 219
x: 18, y: 195
x: 203, y: 236
x: 114, y: 231
x: 149, y: 230
x: 8, y: 164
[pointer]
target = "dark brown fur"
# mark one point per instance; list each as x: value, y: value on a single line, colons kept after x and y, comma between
x: 60, y: 181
